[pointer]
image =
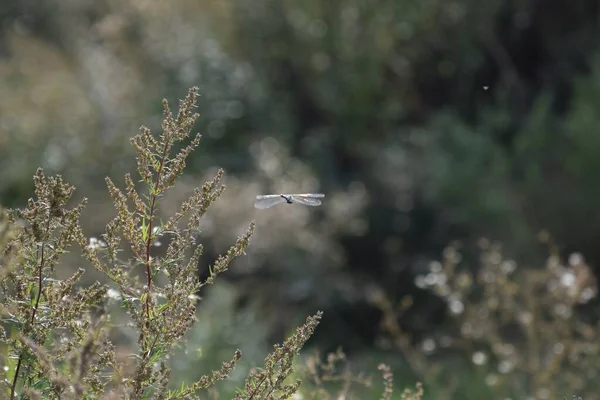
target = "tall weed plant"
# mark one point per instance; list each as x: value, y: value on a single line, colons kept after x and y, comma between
x: 55, y: 341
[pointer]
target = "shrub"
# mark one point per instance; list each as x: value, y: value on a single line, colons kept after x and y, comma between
x: 514, y: 332
x: 56, y: 342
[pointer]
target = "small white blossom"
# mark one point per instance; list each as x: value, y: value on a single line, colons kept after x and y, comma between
x: 525, y: 318
x: 430, y: 279
x: 508, y: 267
x: 505, y: 366
x: 456, y: 307
x: 479, y: 358
x: 435, y: 267
x: 428, y: 345
x: 575, y: 259
x: 96, y: 244
x: 194, y: 297
x: 567, y: 279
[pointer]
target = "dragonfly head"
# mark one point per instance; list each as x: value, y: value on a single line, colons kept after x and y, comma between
x: 288, y: 199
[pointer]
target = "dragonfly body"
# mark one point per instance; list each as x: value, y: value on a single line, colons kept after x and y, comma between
x: 270, y: 200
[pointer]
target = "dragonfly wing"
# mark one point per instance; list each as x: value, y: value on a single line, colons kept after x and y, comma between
x: 268, y: 201
x: 310, y: 195
x: 307, y: 201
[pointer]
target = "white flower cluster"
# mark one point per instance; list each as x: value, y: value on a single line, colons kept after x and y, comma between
x: 96, y: 244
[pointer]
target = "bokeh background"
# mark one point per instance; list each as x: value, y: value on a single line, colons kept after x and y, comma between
x: 429, y: 125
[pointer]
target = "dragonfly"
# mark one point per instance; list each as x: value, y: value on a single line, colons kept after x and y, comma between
x: 270, y: 200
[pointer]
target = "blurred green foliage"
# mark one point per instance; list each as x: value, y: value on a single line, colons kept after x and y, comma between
x: 423, y: 121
